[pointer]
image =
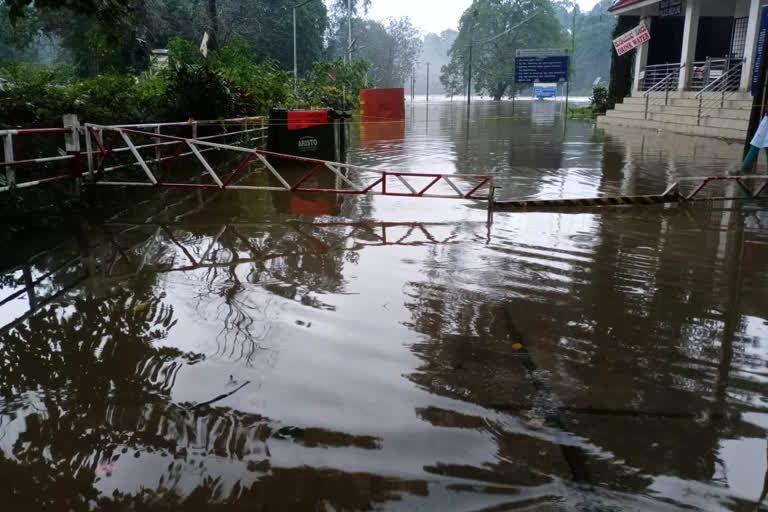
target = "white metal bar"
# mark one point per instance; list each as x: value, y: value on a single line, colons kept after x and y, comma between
x: 207, y: 122
x: 213, y: 242
x: 343, y: 178
x: 89, y: 150
x: 138, y: 157
x: 453, y: 186
x: 273, y: 171
x: 207, y: 137
x: 248, y: 187
x: 205, y: 163
x: 10, y: 173
x: 121, y: 183
x: 157, y: 147
x: 402, y: 180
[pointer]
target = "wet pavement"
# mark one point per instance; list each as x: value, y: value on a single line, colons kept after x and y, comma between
x: 247, y: 351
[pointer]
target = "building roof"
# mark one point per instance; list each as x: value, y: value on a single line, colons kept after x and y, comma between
x: 621, y: 4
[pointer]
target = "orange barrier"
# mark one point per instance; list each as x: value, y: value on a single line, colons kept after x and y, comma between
x: 382, y: 104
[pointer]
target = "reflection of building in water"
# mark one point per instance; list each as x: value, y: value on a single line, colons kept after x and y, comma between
x: 372, y: 133
x: 305, y: 203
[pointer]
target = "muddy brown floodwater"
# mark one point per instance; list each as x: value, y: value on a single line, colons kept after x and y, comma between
x: 246, y: 351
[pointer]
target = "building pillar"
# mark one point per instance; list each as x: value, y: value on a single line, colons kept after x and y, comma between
x: 641, y: 59
x: 690, y: 37
x: 750, y: 46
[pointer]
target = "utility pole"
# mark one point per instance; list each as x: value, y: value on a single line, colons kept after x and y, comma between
x: 427, y: 82
x: 471, y: 44
x: 349, y: 30
x: 469, y: 74
x: 295, y: 52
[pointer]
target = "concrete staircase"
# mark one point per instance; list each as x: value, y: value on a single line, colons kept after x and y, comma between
x: 681, y: 115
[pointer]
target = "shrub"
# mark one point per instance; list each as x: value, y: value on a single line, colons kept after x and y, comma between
x: 600, y: 103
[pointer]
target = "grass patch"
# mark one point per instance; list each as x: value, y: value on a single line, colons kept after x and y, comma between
x: 581, y: 112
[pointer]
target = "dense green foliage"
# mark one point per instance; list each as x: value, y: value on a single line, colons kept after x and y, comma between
x: 599, y: 100
x: 229, y: 82
x: 494, y: 30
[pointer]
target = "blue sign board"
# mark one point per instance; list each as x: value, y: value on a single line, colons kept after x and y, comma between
x: 541, y: 69
x: 544, y: 91
x: 759, y: 49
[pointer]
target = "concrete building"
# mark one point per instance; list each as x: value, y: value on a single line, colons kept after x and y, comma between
x: 695, y: 74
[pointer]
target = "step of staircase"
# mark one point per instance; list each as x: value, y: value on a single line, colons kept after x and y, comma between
x: 694, y: 103
x: 735, y: 114
x: 693, y: 120
x: 636, y: 120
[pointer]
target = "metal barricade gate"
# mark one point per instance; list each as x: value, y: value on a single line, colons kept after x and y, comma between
x: 385, y: 183
x: 103, y: 143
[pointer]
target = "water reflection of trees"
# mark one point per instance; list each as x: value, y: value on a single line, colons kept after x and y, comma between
x: 86, y: 391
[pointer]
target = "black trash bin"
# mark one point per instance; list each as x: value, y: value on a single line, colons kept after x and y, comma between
x: 318, y: 134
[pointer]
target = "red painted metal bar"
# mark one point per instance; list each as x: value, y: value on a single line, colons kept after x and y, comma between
x: 383, y: 182
x: 97, y: 139
x: 469, y: 196
x: 743, y: 186
x: 239, y: 168
x: 437, y: 178
x: 169, y: 163
x: 699, y: 188
x: 306, y: 177
x: 108, y: 151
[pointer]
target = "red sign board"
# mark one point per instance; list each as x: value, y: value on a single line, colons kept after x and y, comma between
x: 632, y: 39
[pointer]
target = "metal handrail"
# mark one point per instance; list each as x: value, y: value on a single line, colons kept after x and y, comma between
x: 722, y: 86
x: 658, y: 86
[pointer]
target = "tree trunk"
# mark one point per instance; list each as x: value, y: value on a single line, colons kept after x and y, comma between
x: 621, y: 67
x: 213, y: 32
x: 498, y: 91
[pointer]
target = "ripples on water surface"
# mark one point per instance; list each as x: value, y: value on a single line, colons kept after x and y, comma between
x: 202, y: 349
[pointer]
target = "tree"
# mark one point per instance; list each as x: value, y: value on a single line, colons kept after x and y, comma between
x: 495, y: 29
x: 594, y: 45
x: 450, y: 78
x: 435, y: 51
x: 340, y: 6
x: 392, y: 48
x: 213, y: 30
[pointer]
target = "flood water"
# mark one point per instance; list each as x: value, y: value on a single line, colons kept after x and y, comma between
x: 197, y: 350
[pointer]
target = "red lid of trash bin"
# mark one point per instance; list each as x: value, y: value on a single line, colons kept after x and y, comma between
x: 300, y: 119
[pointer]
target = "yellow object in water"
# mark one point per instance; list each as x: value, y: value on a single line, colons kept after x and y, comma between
x: 517, y: 346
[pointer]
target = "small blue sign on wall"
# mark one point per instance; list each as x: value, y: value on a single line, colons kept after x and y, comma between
x: 541, y: 91
x: 550, y: 65
x: 759, y: 48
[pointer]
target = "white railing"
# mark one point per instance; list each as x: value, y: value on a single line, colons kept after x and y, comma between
x: 657, y: 72
x: 658, y: 93
x: 716, y: 93
x: 704, y: 73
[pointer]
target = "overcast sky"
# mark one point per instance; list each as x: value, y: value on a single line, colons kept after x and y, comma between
x: 432, y: 15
